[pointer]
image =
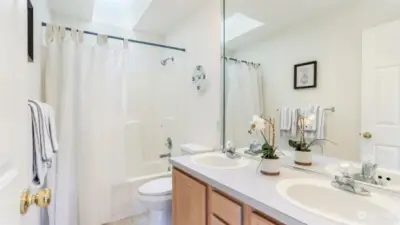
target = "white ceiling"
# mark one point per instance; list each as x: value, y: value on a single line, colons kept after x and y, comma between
x: 153, y: 16
x: 277, y: 15
x: 80, y: 9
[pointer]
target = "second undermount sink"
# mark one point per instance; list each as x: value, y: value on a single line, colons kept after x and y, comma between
x: 319, y: 197
x: 219, y: 161
x: 390, y: 178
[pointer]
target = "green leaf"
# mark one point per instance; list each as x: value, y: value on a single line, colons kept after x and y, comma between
x: 294, y: 144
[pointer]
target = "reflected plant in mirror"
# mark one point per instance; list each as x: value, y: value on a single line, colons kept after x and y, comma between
x: 269, y: 160
x: 302, y: 149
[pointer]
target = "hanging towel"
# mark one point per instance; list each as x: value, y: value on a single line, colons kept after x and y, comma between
x: 288, y: 122
x: 315, y: 122
x: 320, y: 123
x: 39, y: 167
x: 285, y: 121
x: 44, y: 141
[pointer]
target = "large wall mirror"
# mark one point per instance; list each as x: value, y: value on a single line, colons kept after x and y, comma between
x: 336, y: 62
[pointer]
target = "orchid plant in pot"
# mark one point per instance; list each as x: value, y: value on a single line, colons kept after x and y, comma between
x: 270, y: 163
x: 302, y: 154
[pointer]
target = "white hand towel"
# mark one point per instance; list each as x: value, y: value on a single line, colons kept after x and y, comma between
x: 39, y: 167
x: 293, y: 122
x: 321, y: 123
x: 44, y: 140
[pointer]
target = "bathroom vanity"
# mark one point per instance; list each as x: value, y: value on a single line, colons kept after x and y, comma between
x: 204, y: 193
x: 195, y: 202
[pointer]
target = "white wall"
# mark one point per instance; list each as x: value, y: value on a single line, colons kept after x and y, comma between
x: 200, y: 35
x: 335, y: 42
x: 41, y: 13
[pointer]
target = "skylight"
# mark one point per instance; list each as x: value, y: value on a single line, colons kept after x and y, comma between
x: 239, y: 24
x: 120, y: 13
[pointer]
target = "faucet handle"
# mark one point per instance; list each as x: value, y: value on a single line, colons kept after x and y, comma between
x: 368, y: 169
x: 345, y: 169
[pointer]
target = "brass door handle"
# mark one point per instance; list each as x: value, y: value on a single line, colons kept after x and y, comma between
x: 41, y: 199
x: 367, y: 135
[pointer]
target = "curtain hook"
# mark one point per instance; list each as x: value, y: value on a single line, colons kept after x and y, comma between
x: 126, y: 43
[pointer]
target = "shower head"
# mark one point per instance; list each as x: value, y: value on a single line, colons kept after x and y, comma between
x: 165, y: 61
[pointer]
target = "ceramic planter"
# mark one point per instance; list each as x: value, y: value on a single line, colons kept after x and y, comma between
x: 303, y: 158
x: 270, y: 167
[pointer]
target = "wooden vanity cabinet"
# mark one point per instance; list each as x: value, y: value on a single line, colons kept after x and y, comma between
x: 256, y: 219
x: 189, y: 198
x: 196, y: 203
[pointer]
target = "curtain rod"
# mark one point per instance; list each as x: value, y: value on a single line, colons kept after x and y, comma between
x: 242, y: 61
x: 332, y: 109
x: 130, y: 40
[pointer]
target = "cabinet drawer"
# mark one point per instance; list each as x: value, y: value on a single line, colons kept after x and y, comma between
x: 226, y: 209
x: 216, y: 221
x: 259, y: 220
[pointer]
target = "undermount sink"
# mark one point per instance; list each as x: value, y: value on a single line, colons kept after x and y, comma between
x: 219, y: 161
x: 392, y: 183
x: 319, y: 197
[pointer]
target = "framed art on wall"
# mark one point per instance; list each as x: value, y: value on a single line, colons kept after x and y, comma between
x: 305, y: 75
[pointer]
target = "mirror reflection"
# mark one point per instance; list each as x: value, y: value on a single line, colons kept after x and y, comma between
x: 332, y: 60
x: 313, y: 87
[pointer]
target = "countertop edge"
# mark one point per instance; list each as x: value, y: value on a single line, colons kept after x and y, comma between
x: 278, y: 215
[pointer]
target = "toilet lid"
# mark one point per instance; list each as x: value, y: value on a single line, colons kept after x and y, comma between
x: 162, y: 186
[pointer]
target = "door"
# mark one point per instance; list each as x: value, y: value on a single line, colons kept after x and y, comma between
x: 188, y: 200
x: 380, y: 126
x: 14, y: 157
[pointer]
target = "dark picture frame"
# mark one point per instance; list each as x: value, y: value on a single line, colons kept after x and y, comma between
x: 305, y: 75
x: 30, y: 38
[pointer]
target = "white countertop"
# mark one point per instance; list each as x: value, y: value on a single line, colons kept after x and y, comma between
x: 258, y: 191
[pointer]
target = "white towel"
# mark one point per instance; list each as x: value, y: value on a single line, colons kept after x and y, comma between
x: 44, y: 141
x: 316, y: 122
x: 285, y: 118
x: 294, y: 124
x: 288, y: 122
x: 39, y: 167
x: 320, y: 123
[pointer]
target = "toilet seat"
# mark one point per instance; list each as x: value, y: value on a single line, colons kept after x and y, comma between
x: 158, y: 187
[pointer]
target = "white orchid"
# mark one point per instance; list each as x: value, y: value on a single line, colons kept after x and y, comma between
x: 257, y: 123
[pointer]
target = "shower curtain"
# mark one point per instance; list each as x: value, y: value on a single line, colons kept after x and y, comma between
x: 245, y: 98
x: 84, y: 82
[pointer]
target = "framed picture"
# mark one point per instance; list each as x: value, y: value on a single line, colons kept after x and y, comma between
x: 30, y: 31
x: 305, y: 75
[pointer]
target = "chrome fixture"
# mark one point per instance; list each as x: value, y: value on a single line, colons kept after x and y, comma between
x: 165, y: 61
x: 368, y: 174
x: 254, y: 148
x: 347, y: 182
x: 167, y: 155
x: 168, y: 143
x: 230, y: 150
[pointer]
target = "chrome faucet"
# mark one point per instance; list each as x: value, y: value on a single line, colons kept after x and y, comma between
x: 230, y: 150
x: 254, y: 148
x: 346, y: 182
x: 368, y: 174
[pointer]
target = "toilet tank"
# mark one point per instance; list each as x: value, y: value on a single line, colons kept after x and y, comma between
x: 193, y: 149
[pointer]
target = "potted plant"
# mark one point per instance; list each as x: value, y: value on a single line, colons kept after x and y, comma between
x: 302, y: 154
x: 270, y: 163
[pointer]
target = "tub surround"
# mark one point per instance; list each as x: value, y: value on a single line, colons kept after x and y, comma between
x: 256, y: 194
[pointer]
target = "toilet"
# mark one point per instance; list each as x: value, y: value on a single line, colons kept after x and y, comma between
x: 156, y: 195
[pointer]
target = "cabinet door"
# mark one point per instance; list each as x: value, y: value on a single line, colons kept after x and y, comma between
x: 188, y: 200
x: 216, y: 221
x: 258, y: 220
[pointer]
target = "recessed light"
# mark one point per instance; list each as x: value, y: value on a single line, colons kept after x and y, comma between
x: 239, y: 24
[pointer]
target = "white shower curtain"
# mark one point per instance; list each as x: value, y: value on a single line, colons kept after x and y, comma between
x: 244, y: 98
x: 84, y: 82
